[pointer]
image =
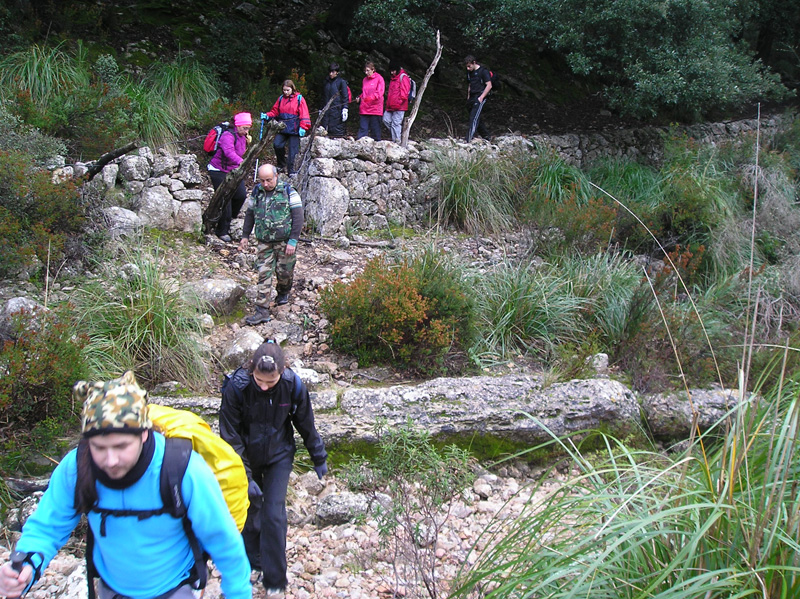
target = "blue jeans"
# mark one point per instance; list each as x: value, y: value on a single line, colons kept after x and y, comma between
x: 264, y: 532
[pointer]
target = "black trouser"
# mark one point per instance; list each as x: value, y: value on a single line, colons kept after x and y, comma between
x: 370, y: 124
x: 280, y: 143
x: 232, y: 207
x: 475, y: 124
x: 264, y: 532
x: 332, y: 121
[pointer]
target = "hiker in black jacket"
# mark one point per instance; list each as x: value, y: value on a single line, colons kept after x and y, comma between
x: 260, y: 406
x: 479, y: 84
x: 335, y: 87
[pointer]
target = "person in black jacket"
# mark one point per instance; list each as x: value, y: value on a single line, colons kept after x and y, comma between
x: 260, y: 405
x: 479, y: 84
x: 335, y: 87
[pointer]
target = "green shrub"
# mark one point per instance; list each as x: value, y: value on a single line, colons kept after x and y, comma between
x: 27, y: 140
x: 138, y: 321
x: 413, y: 313
x: 422, y: 482
x: 40, y: 364
x: 37, y: 216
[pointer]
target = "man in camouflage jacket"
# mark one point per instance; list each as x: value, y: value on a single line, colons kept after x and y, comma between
x: 276, y: 212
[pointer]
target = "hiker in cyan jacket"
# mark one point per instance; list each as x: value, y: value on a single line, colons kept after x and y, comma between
x: 262, y: 406
x: 114, y: 477
x: 291, y: 109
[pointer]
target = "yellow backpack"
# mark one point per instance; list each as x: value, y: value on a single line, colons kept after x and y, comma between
x: 218, y: 454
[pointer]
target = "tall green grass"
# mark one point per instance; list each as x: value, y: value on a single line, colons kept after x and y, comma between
x: 184, y: 85
x: 472, y: 192
x: 140, y: 321
x: 718, y: 520
x: 526, y: 309
x: 47, y: 73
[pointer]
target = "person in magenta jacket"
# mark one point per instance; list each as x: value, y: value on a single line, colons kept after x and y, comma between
x: 230, y: 150
x: 291, y: 109
x: 396, y: 101
x: 371, y: 103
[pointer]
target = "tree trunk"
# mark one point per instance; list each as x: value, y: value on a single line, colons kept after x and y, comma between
x: 223, y: 193
x: 428, y: 74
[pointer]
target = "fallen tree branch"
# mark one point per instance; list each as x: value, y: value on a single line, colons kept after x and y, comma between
x: 98, y: 165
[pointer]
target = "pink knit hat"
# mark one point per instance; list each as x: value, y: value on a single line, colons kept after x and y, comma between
x: 243, y: 119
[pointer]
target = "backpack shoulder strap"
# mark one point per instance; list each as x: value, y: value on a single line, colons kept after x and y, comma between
x: 177, y: 452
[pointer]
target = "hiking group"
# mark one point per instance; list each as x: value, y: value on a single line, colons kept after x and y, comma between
x: 155, y: 508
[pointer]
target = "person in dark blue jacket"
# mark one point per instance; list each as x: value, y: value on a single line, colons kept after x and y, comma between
x: 261, y: 406
x: 335, y: 87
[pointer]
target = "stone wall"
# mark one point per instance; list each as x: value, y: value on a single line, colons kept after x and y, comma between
x: 364, y: 184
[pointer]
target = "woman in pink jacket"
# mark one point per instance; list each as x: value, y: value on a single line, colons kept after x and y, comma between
x: 371, y: 103
x: 228, y: 157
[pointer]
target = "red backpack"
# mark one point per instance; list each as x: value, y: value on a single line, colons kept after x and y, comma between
x: 211, y: 142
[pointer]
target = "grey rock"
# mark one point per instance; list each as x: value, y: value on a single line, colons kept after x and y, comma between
x: 241, y: 349
x: 218, y: 296
x: 670, y: 415
x: 340, y: 508
x: 326, y: 204
x: 134, y: 168
x: 121, y: 222
x: 155, y: 207
x: 516, y: 407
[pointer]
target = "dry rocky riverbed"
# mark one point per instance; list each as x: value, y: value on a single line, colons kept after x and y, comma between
x: 348, y: 560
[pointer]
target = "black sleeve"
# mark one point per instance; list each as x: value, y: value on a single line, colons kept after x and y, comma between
x: 303, y: 421
x: 230, y: 423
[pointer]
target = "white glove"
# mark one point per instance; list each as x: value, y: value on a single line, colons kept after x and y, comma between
x: 344, y: 114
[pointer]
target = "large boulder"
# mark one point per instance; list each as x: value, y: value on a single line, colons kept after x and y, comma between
x: 670, y: 415
x: 218, y: 296
x: 515, y: 407
x: 326, y: 204
x: 155, y: 207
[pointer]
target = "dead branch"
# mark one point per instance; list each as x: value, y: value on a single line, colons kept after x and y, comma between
x: 302, y: 172
x: 428, y: 74
x: 224, y: 192
x: 108, y: 157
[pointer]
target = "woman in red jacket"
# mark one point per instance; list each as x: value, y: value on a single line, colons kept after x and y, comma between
x: 396, y: 101
x: 371, y: 103
x: 290, y: 108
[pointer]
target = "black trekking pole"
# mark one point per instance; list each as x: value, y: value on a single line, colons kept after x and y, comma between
x: 260, y: 134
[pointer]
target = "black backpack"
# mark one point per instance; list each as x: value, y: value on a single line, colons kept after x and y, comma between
x: 177, y: 452
x: 496, y: 83
x: 412, y: 90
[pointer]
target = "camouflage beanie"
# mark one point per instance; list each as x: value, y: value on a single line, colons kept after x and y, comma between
x: 115, y: 406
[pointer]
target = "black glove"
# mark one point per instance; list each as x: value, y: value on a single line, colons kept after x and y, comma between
x: 321, y: 470
x: 253, y: 490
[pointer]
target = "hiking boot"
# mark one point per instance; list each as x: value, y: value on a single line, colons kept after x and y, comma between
x: 282, y: 299
x: 226, y: 238
x: 261, y: 315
